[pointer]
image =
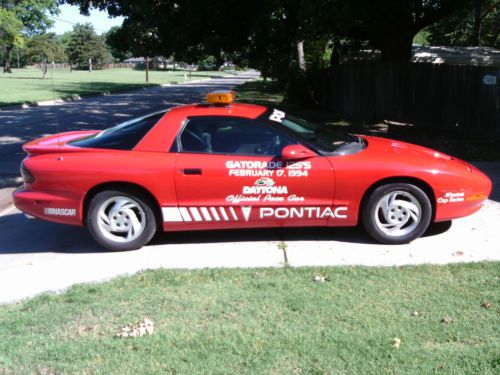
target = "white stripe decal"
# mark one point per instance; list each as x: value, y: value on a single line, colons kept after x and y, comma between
x: 223, y: 213
x: 190, y: 214
x: 195, y: 213
x: 185, y: 214
x: 205, y: 213
x: 233, y: 213
x: 213, y: 210
x: 171, y: 214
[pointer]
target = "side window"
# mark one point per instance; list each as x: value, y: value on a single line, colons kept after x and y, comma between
x: 231, y: 135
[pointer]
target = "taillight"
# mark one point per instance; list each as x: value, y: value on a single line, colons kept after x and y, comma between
x: 26, y: 174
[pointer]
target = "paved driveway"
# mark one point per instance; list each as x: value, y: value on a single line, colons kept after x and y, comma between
x: 38, y: 256
x: 98, y: 112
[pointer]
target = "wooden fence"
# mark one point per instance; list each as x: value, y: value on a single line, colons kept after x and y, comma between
x: 458, y: 98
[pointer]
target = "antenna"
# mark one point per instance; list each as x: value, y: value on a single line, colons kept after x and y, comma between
x: 59, y: 157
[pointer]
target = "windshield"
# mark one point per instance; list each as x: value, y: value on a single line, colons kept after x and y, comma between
x: 321, y: 136
x: 124, y: 136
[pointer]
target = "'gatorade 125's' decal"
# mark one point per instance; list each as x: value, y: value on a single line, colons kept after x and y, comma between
x: 270, y: 169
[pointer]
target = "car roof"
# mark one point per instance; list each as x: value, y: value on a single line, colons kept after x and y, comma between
x: 169, y: 125
x: 234, y: 109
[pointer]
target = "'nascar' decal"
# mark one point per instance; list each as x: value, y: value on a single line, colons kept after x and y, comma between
x: 59, y: 211
x: 221, y: 214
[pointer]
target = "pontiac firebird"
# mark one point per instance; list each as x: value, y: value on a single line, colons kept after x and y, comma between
x: 224, y: 165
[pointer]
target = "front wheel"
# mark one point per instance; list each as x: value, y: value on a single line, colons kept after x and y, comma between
x: 396, y: 213
x: 120, y: 220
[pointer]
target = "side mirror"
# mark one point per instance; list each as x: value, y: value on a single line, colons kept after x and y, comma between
x: 296, y: 152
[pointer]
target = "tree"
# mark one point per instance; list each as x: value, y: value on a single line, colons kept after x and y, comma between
x: 43, y: 49
x: 284, y: 39
x: 85, y: 44
x: 10, y: 34
x: 473, y: 26
x: 33, y: 17
x: 117, y: 41
x: 388, y: 25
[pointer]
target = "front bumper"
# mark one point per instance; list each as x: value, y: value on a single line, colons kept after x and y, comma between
x: 460, y: 202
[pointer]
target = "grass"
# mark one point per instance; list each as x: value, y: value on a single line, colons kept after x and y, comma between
x: 273, y: 321
x: 466, y: 147
x: 27, y: 85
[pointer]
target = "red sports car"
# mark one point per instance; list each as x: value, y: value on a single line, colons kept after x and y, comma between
x: 223, y: 165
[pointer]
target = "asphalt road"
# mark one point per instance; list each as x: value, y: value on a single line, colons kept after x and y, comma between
x: 38, y: 256
x: 18, y: 126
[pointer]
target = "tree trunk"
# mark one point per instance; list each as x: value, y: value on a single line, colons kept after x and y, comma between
x: 219, y: 61
x: 17, y: 55
x: 300, y: 56
x: 335, y: 57
x: 44, y: 68
x: 476, y: 35
x: 6, y: 57
x: 395, y: 47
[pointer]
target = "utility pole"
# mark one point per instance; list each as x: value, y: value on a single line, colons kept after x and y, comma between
x: 147, y: 68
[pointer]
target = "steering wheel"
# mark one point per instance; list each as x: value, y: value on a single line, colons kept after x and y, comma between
x: 262, y: 149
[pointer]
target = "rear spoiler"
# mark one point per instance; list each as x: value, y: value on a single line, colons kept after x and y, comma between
x: 57, y: 143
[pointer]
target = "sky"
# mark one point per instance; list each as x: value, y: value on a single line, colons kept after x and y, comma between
x: 70, y: 15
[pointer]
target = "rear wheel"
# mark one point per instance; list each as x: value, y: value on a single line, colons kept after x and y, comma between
x: 120, y: 220
x: 396, y: 213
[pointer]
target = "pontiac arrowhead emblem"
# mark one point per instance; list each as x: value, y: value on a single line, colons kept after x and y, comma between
x: 246, y: 212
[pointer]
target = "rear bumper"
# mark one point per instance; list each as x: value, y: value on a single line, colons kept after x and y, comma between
x: 56, y: 206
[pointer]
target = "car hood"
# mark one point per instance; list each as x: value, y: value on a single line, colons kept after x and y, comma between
x: 409, y: 153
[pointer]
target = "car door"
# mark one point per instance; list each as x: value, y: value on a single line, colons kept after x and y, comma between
x: 229, y: 174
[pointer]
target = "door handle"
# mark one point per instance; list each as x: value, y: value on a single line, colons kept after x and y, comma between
x: 192, y: 171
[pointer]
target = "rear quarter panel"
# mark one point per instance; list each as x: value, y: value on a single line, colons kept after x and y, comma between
x: 79, y: 172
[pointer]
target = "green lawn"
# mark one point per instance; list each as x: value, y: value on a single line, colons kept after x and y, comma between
x: 468, y: 147
x: 268, y: 321
x: 27, y: 85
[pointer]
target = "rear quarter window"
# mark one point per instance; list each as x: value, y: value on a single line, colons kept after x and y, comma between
x: 124, y: 136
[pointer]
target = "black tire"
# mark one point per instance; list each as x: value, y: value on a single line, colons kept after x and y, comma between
x: 382, y: 221
x: 138, y: 205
